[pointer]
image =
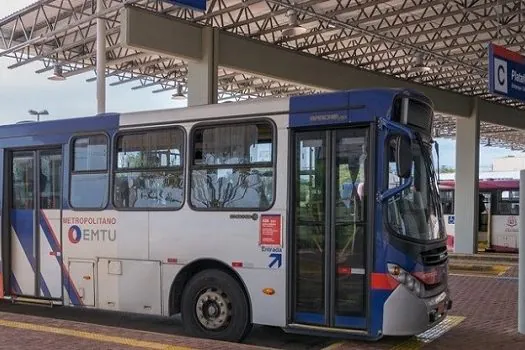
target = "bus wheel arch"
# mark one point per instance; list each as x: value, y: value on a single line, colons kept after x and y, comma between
x: 183, y: 278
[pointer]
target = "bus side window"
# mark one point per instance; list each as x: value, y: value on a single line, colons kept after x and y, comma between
x: 149, y: 170
x: 508, y: 202
x: 90, y: 172
x: 232, y: 166
x: 447, y: 202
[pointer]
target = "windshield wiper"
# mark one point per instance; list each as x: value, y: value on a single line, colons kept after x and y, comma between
x: 429, y: 166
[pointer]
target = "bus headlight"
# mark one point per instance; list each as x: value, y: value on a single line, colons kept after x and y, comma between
x: 409, y: 281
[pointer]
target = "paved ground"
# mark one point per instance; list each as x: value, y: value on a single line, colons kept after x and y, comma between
x: 484, y: 316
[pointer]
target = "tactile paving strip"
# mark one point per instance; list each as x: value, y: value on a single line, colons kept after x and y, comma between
x: 432, y: 334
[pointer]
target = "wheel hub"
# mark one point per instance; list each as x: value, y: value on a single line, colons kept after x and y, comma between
x: 213, y: 309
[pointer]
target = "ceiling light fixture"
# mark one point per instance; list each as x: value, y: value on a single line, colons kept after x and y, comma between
x: 294, y: 28
x: 419, y: 65
x: 58, y: 75
x: 178, y: 95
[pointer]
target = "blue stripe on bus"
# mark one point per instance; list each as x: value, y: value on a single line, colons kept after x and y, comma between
x: 43, y: 286
x: 350, y: 322
x: 52, y: 238
x: 360, y: 105
x: 22, y: 222
x: 61, y: 126
x: 307, y: 317
x: 15, y: 287
x: 379, y: 296
x: 54, y: 132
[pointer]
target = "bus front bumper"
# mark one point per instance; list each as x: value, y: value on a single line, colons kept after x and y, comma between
x: 405, y: 314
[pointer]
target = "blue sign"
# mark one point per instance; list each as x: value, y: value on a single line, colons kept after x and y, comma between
x: 451, y: 220
x: 506, y: 73
x: 193, y: 4
x: 277, y: 258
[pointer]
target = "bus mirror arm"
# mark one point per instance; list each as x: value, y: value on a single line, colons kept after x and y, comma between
x: 403, y: 147
x: 403, y: 163
x: 382, y: 196
x: 396, y: 127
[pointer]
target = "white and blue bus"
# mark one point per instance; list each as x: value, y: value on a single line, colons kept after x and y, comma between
x: 319, y: 214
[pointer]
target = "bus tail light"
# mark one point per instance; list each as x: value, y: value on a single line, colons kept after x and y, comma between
x: 403, y: 277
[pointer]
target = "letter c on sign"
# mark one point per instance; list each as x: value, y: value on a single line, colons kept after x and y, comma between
x: 74, y: 234
x: 501, y: 75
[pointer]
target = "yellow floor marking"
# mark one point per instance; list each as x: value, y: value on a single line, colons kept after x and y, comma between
x: 411, y: 344
x: 416, y: 342
x: 91, y: 336
x: 482, y: 276
x: 493, y: 270
x: 502, y: 272
x: 501, y: 269
x: 334, y: 345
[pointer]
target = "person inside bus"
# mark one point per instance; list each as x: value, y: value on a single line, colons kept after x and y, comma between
x: 481, y: 208
x: 481, y: 204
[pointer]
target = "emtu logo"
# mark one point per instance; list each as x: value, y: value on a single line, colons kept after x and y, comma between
x: 74, y: 234
x: 511, y: 221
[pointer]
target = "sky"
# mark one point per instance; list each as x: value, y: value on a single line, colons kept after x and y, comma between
x: 22, y: 89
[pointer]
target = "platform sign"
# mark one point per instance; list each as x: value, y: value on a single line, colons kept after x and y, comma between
x: 193, y: 4
x: 506, y: 72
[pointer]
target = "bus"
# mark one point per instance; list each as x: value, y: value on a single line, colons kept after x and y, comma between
x: 318, y: 214
x: 498, y: 221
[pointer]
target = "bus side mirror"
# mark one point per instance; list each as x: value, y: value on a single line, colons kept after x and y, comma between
x: 403, y: 154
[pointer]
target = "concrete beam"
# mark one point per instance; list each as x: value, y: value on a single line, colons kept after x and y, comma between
x: 288, y: 65
x: 495, y: 113
x: 152, y: 32
x: 146, y: 30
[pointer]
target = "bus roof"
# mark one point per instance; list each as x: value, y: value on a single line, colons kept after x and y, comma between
x: 489, y: 184
x: 355, y: 105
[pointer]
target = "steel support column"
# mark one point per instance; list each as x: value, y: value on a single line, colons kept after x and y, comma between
x: 101, y: 58
x: 203, y: 74
x: 466, y: 190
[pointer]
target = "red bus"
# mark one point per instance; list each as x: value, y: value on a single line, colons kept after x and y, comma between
x: 498, y: 224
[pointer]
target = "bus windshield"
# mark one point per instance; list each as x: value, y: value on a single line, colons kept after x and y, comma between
x: 415, y: 213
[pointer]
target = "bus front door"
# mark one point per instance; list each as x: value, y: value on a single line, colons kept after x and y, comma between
x: 34, y: 241
x: 328, y: 229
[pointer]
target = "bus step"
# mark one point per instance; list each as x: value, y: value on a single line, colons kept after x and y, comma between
x: 34, y: 301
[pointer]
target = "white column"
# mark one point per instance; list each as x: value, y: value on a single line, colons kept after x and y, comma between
x: 521, y: 259
x: 101, y: 59
x: 202, y: 75
x: 466, y: 191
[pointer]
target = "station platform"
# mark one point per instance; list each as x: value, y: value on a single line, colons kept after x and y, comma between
x: 484, y: 316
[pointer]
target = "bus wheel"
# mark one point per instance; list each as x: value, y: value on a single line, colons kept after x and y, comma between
x: 214, y: 306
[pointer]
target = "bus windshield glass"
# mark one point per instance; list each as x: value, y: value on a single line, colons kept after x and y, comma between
x: 415, y: 212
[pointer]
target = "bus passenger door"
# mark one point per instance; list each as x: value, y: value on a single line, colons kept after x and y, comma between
x: 35, y: 183
x: 328, y: 231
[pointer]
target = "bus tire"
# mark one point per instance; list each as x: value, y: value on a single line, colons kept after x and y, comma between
x: 214, y: 306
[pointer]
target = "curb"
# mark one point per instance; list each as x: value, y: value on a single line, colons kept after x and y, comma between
x: 480, y: 268
x: 486, y: 258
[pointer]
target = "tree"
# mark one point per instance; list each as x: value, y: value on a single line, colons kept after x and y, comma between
x: 447, y: 169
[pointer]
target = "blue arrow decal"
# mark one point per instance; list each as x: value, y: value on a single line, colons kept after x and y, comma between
x: 277, y: 258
